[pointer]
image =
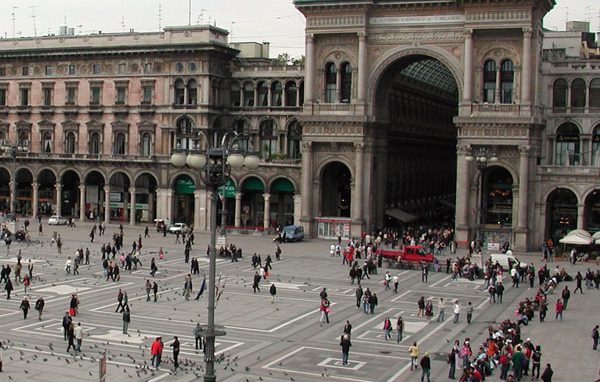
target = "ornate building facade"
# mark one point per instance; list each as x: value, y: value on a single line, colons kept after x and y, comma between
x: 392, y: 101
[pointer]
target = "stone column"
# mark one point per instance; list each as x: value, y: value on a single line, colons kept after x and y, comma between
x: 198, y: 211
x: 523, y: 187
x: 580, y: 216
x: 13, y: 195
x: 132, y: 205
x: 58, y: 187
x: 238, y: 210
x: 82, y: 202
x: 498, y: 91
x: 169, y: 203
x: 106, y: 203
x: 297, y: 208
x: 269, y: 95
x: 462, y: 194
x: 307, y: 181
x: 526, y: 68
x: 34, y: 203
x: 338, y: 84
x: 362, y: 67
x: 358, y: 197
x: 309, y: 72
x: 468, y: 85
x: 267, y: 211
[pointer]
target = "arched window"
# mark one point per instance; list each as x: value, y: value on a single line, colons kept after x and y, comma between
x: 507, y: 76
x: 291, y: 93
x: 241, y: 127
x: 179, y: 92
x: 47, y: 142
x: 346, y: 82
x: 301, y: 91
x: 235, y: 94
x: 268, y: 139
x: 567, y: 145
x: 489, y: 81
x: 330, y: 82
x: 70, y: 143
x: 276, y: 93
x: 185, y: 138
x: 596, y: 147
x: 119, y: 144
x: 94, y: 143
x: 595, y: 95
x: 248, y: 94
x: 2, y: 138
x: 559, y: 96
x: 263, y: 94
x: 577, y: 95
x: 192, y: 90
x: 146, y: 145
x: 294, y: 137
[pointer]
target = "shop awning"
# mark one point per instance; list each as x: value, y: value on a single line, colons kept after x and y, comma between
x: 253, y: 184
x: 577, y: 237
x: 596, y: 238
x: 400, y: 215
x: 282, y: 185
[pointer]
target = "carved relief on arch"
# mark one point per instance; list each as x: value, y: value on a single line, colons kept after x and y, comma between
x: 338, y: 55
x: 499, y: 52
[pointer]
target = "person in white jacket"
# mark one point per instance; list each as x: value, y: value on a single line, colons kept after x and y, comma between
x: 456, y: 311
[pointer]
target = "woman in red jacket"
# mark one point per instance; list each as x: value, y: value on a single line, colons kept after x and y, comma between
x: 559, y: 309
x: 156, y: 351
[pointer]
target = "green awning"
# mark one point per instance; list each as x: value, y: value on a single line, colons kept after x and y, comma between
x: 253, y: 184
x: 185, y: 185
x: 282, y: 185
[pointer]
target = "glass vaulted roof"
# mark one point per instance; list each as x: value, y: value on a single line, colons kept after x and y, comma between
x: 433, y: 73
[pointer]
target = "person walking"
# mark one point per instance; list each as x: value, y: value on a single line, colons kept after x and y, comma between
x: 595, y: 337
x: 399, y: 329
x: 518, y: 359
x: 198, y: 336
x: 359, y: 295
x: 421, y: 306
x: 536, y: 361
x: 347, y: 329
x: 456, y: 311
x: 325, y: 308
x: 153, y: 267
x: 395, y: 280
x: 148, y: 289
x: 126, y: 319
x: 345, y: 344
x: 566, y: 295
x: 425, y: 368
x: 26, y: 283
x: 547, y: 374
x: 452, y: 363
x: 39, y: 306
x: 120, y: 301
x: 273, y: 292
x: 256, y: 282
x: 66, y: 321
x: 25, y: 307
x: 441, y: 307
x: 373, y: 301
x: 578, y: 280
x: 71, y: 336
x: 469, y: 313
x: 559, y: 309
x: 414, y: 355
x: 387, y: 328
x: 175, y: 346
x: 155, y: 351
x: 8, y: 287
x: 155, y: 290
x: 78, y: 333
x: 499, y: 292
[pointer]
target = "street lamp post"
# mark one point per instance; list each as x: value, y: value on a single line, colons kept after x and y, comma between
x: 214, y: 164
x: 482, y: 156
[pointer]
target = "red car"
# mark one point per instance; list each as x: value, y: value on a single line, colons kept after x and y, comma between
x: 412, y: 253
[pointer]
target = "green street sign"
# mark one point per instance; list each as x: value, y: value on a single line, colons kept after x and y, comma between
x: 228, y: 189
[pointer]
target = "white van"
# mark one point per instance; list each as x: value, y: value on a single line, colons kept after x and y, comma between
x: 502, y: 259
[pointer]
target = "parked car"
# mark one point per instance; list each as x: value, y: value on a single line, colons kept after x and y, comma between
x: 293, y: 233
x: 57, y: 220
x: 178, y: 227
x: 503, y: 259
x: 161, y: 224
x: 411, y: 253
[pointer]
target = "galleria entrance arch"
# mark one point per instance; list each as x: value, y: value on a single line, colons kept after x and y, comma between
x: 407, y: 91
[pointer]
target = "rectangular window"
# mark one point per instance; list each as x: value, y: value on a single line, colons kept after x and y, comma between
x: 95, y: 95
x: 24, y: 100
x: 2, y: 97
x: 71, y: 69
x: 25, y: 70
x: 147, y: 94
x: 47, y: 96
x: 121, y: 95
x: 96, y: 68
x: 71, y: 96
x: 49, y: 70
x: 2, y: 72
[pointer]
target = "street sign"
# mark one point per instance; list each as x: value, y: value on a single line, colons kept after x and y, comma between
x: 228, y: 189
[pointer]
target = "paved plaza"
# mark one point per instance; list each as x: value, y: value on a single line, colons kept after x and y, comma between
x: 265, y: 341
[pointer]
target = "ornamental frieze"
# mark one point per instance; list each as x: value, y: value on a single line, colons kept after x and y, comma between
x: 416, y: 36
x: 336, y: 21
x: 502, y: 15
